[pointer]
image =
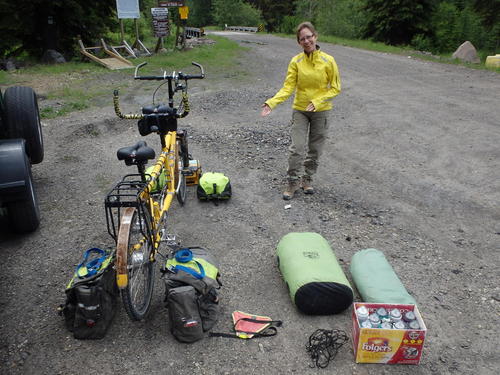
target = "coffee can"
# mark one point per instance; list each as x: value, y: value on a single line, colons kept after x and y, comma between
x: 409, y: 316
x: 362, y: 312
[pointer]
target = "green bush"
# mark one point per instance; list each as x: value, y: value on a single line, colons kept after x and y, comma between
x: 343, y: 18
x: 289, y: 24
x: 235, y: 13
x: 422, y: 43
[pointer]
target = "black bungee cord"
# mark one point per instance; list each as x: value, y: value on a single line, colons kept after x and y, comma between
x: 324, y: 345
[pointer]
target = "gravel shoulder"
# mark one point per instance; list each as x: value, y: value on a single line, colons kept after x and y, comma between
x: 411, y: 168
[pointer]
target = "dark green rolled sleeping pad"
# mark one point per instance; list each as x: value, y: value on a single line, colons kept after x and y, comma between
x: 376, y: 280
x: 316, y: 282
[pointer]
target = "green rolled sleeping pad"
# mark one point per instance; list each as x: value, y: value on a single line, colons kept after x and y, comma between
x: 376, y: 280
x: 315, y: 280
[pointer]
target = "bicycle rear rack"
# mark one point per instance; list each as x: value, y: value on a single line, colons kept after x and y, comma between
x: 125, y: 194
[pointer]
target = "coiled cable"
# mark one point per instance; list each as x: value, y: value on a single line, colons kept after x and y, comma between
x: 324, y: 345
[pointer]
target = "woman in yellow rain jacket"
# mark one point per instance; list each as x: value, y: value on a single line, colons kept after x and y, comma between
x: 314, y: 77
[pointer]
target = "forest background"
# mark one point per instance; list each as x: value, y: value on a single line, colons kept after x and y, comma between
x: 29, y: 27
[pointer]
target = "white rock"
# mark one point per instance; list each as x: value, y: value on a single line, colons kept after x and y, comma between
x: 467, y: 53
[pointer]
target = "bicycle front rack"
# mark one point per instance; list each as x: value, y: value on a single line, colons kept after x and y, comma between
x: 125, y: 194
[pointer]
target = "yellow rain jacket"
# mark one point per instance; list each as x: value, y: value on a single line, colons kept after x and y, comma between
x: 314, y: 78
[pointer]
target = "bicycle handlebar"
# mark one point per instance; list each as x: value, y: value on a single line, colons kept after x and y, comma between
x: 174, y: 76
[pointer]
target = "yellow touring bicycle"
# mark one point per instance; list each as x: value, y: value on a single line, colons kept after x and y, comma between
x: 136, y: 208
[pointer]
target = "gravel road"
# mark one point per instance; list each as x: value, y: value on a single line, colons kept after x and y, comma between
x: 411, y: 168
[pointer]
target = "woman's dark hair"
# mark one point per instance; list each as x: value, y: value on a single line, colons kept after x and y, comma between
x: 305, y: 25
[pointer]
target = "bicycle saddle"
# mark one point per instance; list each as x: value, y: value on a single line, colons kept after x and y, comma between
x: 140, y: 153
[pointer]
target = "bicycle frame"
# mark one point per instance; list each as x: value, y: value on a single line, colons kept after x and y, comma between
x: 167, y: 161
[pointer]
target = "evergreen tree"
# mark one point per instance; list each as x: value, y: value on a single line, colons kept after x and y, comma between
x: 200, y: 13
x: 307, y: 10
x: 274, y: 12
x: 33, y: 26
x: 396, y: 22
x: 489, y: 10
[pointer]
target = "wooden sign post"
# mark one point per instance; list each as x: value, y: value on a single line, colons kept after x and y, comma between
x: 127, y: 9
x: 177, y: 4
x: 161, y: 27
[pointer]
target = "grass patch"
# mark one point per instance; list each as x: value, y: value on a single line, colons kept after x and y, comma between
x: 66, y: 100
x: 55, y: 69
x: 74, y: 86
x: 218, y: 56
x: 4, y: 77
x: 61, y: 110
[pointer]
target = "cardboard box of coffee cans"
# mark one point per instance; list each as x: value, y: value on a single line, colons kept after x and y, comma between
x: 387, y: 333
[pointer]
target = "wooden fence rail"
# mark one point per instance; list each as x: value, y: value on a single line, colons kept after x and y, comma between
x: 194, y: 32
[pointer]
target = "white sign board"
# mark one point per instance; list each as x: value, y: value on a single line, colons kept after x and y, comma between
x: 127, y: 9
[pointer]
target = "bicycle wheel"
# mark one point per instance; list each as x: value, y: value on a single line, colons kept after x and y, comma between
x: 133, y: 258
x: 181, y: 189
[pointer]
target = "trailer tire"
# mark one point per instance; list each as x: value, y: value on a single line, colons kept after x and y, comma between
x: 24, y: 214
x: 23, y: 120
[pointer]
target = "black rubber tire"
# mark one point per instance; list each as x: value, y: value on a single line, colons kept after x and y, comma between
x: 136, y: 297
x: 24, y: 215
x: 3, y: 132
x: 23, y: 120
x: 182, y: 193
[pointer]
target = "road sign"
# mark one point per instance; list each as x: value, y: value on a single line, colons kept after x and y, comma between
x: 184, y: 12
x: 167, y: 4
x: 127, y: 9
x: 161, y: 26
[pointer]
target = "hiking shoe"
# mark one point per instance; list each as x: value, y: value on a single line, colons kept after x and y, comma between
x: 306, y: 186
x: 290, y: 190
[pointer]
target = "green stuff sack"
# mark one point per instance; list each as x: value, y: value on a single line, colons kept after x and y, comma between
x: 376, y: 280
x: 214, y: 186
x: 160, y: 182
x: 314, y: 278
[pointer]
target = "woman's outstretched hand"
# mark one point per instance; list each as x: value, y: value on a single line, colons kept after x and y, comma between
x: 265, y: 110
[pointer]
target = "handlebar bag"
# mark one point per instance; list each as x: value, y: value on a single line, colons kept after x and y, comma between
x: 159, y: 122
x: 91, y: 296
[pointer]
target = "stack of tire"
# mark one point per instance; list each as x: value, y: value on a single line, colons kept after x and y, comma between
x: 21, y: 145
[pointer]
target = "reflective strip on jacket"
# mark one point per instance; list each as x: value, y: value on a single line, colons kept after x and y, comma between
x: 314, y: 78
